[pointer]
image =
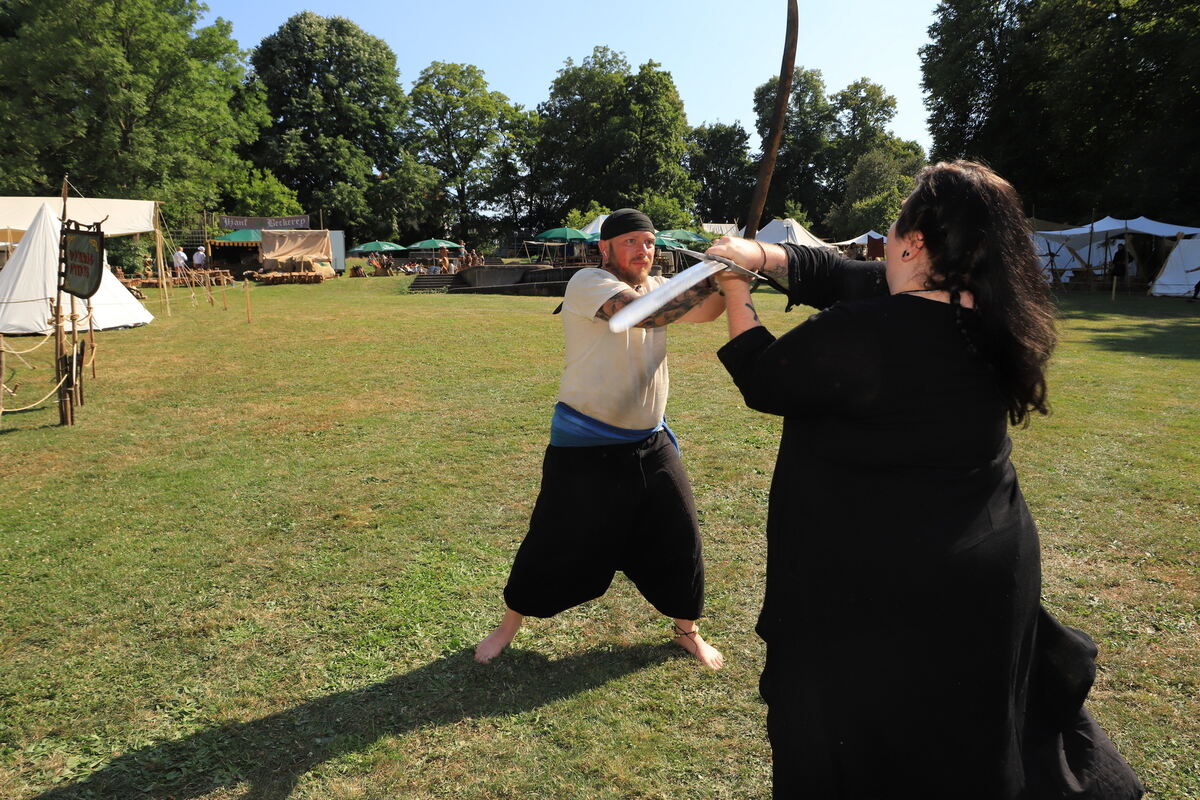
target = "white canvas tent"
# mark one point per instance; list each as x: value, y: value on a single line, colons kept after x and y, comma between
x: 1092, y: 246
x: 29, y: 286
x: 871, y: 234
x: 1174, y: 280
x: 594, y: 225
x: 121, y: 217
x: 786, y: 230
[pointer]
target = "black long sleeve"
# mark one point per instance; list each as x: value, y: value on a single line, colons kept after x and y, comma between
x: 820, y: 277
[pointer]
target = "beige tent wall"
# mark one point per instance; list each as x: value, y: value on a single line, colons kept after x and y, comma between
x: 297, y: 251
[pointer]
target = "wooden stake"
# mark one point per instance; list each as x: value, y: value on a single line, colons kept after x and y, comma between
x: 64, y: 416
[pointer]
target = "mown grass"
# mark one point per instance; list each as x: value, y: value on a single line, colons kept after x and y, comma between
x: 257, y: 565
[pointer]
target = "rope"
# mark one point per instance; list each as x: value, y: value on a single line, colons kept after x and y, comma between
x: 39, y: 402
x: 92, y: 360
x: 8, y: 349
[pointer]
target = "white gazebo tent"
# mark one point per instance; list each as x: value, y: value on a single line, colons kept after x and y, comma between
x: 1091, y: 245
x: 29, y: 286
x: 871, y: 234
x: 786, y: 230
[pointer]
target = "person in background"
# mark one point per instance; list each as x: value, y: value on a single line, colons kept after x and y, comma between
x: 179, y: 262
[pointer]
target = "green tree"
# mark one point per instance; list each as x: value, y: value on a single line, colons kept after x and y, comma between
x: 802, y: 165
x: 718, y: 161
x: 613, y: 136
x: 1088, y: 108
x: 513, y: 192
x: 875, y: 189
x: 130, y: 98
x: 460, y: 123
x: 862, y: 111
x: 336, y: 110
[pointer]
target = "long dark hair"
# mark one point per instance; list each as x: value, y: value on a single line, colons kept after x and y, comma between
x: 978, y: 240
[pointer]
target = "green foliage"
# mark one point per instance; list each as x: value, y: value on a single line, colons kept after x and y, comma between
x: 257, y: 193
x: 875, y: 190
x: 336, y: 111
x: 664, y: 211
x: 1087, y: 108
x: 805, y: 150
x: 578, y: 218
x: 130, y: 98
x: 824, y: 137
x: 797, y: 212
x: 513, y: 192
x: 718, y: 161
x: 460, y: 124
x: 613, y: 136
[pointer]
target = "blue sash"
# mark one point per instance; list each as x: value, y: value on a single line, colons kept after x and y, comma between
x: 571, y: 428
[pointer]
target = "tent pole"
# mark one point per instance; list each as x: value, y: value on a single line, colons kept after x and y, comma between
x: 3, y: 388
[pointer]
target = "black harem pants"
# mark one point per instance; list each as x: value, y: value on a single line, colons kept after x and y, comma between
x: 624, y: 507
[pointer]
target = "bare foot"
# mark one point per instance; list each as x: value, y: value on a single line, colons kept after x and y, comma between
x: 694, y: 643
x: 499, y: 639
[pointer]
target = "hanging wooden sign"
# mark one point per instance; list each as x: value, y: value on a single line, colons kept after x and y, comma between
x: 81, y: 263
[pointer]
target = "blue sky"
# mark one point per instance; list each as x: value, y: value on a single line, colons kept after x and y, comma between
x: 717, y: 52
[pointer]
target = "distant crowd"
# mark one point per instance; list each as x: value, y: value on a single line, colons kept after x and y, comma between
x: 443, y: 264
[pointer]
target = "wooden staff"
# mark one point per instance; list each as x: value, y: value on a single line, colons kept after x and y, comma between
x: 76, y: 378
x: 91, y: 336
x: 246, y: 286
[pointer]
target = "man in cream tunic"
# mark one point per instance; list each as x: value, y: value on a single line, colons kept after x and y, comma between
x: 614, y: 494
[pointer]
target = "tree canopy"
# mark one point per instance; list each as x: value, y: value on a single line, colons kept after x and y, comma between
x: 134, y: 101
x: 336, y: 118
x: 1088, y: 108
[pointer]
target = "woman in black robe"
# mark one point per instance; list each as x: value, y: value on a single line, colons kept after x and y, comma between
x: 902, y: 618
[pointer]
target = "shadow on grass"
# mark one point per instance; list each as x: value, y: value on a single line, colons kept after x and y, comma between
x: 1171, y: 339
x: 1099, y: 306
x: 271, y: 754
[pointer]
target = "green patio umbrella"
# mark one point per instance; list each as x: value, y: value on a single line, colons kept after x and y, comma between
x: 681, y: 235
x: 377, y: 247
x: 562, y: 235
x: 659, y: 241
x: 434, y: 244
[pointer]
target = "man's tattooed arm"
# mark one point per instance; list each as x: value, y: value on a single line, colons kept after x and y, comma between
x: 671, y: 312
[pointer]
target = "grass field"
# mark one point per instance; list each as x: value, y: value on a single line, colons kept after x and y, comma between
x: 257, y: 565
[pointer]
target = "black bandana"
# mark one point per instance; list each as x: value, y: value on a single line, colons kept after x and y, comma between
x: 625, y: 220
